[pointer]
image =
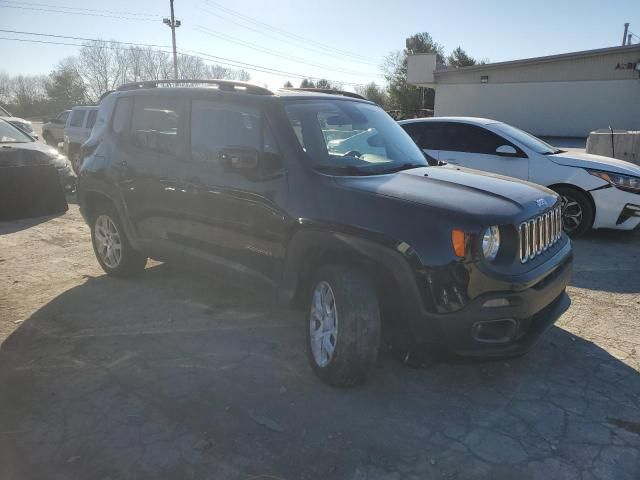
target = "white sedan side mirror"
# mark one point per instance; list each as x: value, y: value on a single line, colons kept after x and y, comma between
x: 506, y: 151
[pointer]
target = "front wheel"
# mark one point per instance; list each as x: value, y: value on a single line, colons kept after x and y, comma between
x: 111, y: 246
x: 577, y: 211
x: 76, y: 161
x: 48, y: 139
x: 344, y: 326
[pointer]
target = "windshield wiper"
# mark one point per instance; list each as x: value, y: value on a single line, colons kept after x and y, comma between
x: 554, y: 152
x: 399, y: 168
x: 343, y: 169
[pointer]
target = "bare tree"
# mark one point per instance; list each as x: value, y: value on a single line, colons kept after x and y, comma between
x: 5, y: 88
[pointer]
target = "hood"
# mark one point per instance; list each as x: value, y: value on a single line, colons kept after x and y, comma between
x: 595, y: 162
x: 495, y: 198
x: 31, y: 153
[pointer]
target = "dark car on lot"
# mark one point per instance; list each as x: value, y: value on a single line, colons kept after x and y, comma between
x: 375, y: 244
x: 33, y: 176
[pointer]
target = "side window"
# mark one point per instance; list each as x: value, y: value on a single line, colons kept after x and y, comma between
x: 77, y: 118
x: 155, y: 123
x: 473, y: 139
x: 91, y: 118
x: 415, y: 132
x: 63, y: 117
x: 480, y: 140
x: 215, y: 126
x: 121, y: 115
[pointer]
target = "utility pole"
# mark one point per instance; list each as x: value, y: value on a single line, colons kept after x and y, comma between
x: 173, y: 24
x: 624, y: 35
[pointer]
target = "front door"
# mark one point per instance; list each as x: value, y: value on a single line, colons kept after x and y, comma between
x: 237, y: 201
x: 475, y: 147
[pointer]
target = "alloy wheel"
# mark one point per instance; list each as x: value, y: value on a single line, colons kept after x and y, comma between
x: 571, y: 214
x: 323, y: 324
x: 108, y: 242
x: 76, y: 162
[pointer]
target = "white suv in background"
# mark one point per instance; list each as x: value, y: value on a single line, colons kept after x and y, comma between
x: 596, y: 191
x: 77, y: 131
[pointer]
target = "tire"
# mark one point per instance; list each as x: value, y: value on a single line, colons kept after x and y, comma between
x: 577, y: 211
x: 48, y: 139
x: 107, y: 232
x: 76, y: 162
x: 352, y: 349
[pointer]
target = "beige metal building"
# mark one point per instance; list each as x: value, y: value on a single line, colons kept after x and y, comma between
x: 559, y: 95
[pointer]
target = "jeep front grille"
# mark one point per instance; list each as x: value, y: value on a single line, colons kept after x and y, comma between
x: 539, y: 233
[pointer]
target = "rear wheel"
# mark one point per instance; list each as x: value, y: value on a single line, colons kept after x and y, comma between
x: 344, y: 326
x: 111, y: 246
x: 577, y: 211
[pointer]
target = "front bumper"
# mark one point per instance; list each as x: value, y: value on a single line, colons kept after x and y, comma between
x: 504, y: 322
x: 612, y: 208
x: 68, y: 179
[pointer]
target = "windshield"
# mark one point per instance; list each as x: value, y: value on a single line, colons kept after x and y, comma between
x: 351, y: 137
x: 4, y: 112
x: 10, y: 134
x: 525, y: 139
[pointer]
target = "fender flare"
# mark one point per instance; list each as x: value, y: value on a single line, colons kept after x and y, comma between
x: 391, y: 263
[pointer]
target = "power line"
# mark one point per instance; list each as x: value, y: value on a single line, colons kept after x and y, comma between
x: 84, y: 39
x: 280, y: 31
x: 194, y: 53
x: 231, y: 39
x: 51, y: 10
x: 80, y: 8
x: 322, y: 51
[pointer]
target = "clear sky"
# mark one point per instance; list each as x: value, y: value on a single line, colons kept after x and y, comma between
x: 336, y: 39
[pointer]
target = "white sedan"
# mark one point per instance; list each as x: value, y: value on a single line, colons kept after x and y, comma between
x: 596, y: 191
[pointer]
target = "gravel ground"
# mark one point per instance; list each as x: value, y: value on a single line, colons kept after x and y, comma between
x: 176, y: 376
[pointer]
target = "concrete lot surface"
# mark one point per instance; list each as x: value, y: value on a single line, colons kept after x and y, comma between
x: 178, y: 376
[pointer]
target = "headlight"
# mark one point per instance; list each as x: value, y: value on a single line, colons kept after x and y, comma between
x: 491, y: 243
x: 627, y: 183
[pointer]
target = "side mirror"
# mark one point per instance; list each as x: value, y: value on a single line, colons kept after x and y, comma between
x: 240, y: 158
x: 506, y: 151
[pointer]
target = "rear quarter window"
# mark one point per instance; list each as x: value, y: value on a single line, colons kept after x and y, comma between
x: 91, y: 118
x: 156, y: 123
x: 121, y: 115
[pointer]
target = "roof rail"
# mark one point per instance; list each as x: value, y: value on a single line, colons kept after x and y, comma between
x: 226, y: 85
x: 330, y: 91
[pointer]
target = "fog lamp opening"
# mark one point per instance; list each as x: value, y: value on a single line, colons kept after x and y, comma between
x: 495, y: 331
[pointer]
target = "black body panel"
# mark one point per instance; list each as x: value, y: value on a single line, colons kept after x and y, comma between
x: 271, y: 227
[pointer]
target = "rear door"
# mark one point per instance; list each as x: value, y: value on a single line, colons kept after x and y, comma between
x: 57, y: 126
x: 75, y: 125
x: 475, y: 147
x: 149, y: 134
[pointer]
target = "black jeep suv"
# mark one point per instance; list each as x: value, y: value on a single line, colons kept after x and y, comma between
x: 324, y: 199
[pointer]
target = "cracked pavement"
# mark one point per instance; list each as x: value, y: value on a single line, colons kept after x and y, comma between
x: 178, y: 376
